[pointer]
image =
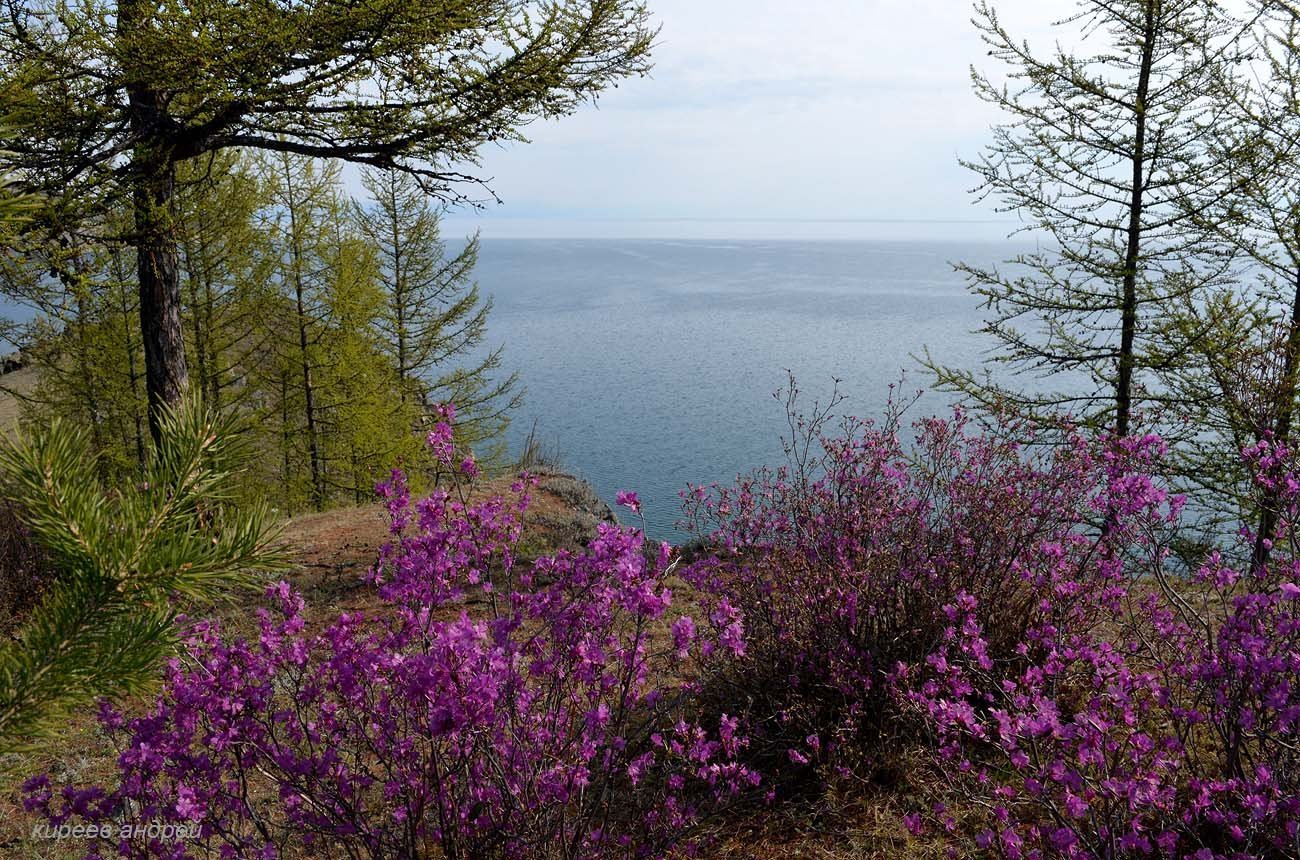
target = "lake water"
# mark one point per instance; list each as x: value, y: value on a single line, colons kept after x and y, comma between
x: 651, y: 364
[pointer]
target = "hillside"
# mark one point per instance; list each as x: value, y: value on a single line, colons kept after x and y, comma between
x: 332, y: 550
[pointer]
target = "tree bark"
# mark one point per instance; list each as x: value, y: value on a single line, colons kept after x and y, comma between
x: 166, y: 374
x: 153, y: 174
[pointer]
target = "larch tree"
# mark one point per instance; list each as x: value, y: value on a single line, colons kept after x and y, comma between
x: 224, y: 270
x: 117, y: 95
x: 86, y: 339
x: 84, y: 333
x: 89, y: 359
x: 287, y: 322
x: 1241, y: 384
x: 76, y: 296
x: 435, y: 318
x: 1098, y: 157
x: 365, y: 423
x: 303, y: 196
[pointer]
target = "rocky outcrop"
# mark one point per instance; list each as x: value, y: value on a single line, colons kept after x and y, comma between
x: 567, y: 508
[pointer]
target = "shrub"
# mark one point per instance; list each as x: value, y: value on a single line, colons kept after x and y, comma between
x: 545, y: 723
x: 1160, y: 720
x: 1019, y: 612
x: 843, y: 562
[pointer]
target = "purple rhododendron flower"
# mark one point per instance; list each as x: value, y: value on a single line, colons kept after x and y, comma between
x: 629, y: 500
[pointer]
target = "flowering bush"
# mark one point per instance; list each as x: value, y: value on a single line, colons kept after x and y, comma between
x: 544, y: 724
x: 1019, y: 613
x: 1160, y: 718
x: 1015, y: 612
x: 843, y: 562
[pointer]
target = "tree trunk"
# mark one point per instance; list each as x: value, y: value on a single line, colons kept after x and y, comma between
x: 286, y: 435
x: 309, y: 404
x: 214, y: 369
x: 193, y: 256
x: 166, y: 374
x: 304, y: 355
x: 89, y: 385
x: 200, y: 373
x: 133, y: 376
x: 399, y: 291
x: 153, y: 177
x: 1133, y: 246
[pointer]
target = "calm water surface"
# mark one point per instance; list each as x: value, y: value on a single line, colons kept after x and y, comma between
x: 651, y: 364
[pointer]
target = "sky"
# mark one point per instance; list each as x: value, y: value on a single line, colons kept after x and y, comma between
x: 822, y: 119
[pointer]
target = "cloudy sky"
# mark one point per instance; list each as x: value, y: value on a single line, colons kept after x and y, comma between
x: 765, y: 118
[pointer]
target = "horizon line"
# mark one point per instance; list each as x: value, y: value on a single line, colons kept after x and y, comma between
x: 703, y: 219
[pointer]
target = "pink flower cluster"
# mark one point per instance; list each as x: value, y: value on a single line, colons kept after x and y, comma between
x: 843, y: 561
x: 1020, y: 615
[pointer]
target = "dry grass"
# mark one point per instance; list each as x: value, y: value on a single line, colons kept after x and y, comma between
x: 852, y: 819
x: 11, y: 384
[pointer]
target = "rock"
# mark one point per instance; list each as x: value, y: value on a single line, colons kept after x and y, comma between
x: 577, y: 510
x: 12, y: 362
